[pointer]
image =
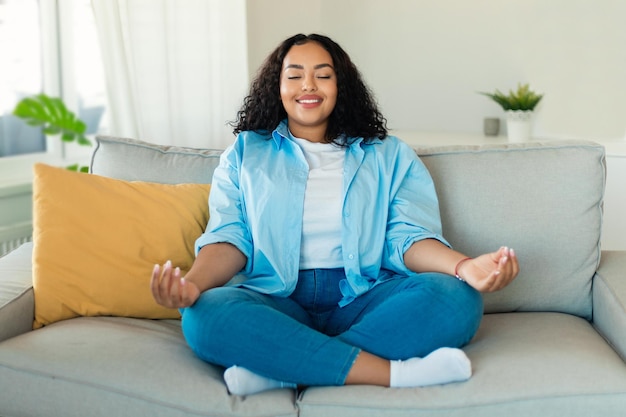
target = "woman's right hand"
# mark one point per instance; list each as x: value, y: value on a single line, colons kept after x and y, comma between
x: 171, y: 290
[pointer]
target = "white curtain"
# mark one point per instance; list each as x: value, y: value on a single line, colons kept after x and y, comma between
x: 176, y: 70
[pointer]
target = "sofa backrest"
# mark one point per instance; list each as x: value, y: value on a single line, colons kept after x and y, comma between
x: 542, y: 199
x: 135, y: 160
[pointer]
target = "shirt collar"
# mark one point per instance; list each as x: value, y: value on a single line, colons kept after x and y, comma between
x: 282, y: 133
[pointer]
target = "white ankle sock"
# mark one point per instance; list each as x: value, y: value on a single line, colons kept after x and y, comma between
x: 442, y: 366
x: 241, y: 381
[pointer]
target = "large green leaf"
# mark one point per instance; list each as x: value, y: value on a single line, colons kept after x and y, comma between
x: 78, y: 168
x: 53, y: 116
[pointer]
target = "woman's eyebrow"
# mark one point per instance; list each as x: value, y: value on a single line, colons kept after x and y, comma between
x: 318, y: 66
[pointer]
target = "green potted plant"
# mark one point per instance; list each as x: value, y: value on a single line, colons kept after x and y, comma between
x: 54, y: 117
x: 519, y: 106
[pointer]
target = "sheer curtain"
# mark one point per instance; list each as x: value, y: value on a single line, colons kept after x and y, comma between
x: 176, y: 71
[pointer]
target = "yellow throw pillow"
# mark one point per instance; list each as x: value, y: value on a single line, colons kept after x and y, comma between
x: 96, y: 240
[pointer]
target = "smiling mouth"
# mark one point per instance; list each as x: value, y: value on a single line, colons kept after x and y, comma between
x: 309, y: 101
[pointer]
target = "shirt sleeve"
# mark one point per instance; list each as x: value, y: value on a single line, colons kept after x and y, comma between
x: 226, y: 206
x: 413, y: 209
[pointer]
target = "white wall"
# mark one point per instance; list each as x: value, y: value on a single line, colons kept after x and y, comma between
x: 426, y: 59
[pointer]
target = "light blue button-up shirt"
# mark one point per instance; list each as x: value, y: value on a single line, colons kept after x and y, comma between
x: 257, y: 200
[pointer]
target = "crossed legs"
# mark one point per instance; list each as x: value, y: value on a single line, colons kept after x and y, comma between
x: 390, y: 336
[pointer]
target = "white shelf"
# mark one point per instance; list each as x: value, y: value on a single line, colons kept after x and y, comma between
x: 614, y: 147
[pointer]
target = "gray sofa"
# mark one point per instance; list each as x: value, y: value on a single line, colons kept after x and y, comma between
x: 553, y: 343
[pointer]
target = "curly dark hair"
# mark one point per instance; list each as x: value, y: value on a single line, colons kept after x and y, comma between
x: 355, y: 114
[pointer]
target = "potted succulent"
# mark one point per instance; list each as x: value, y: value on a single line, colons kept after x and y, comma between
x: 519, y: 107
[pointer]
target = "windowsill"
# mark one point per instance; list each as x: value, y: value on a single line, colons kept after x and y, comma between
x: 17, y: 171
x: 8, y: 189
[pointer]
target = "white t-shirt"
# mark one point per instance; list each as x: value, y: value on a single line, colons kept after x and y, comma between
x: 323, y: 201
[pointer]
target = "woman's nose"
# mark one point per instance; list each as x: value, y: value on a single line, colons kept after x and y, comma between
x: 308, y: 84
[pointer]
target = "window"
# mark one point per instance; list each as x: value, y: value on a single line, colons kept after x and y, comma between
x: 49, y: 46
x: 20, y: 60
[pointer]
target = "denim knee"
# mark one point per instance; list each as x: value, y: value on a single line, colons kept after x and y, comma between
x: 204, y: 322
x: 466, y: 298
x: 418, y: 314
x: 467, y: 308
x: 458, y: 311
x: 473, y: 307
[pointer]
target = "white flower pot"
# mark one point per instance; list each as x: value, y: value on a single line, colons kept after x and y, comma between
x: 518, y: 125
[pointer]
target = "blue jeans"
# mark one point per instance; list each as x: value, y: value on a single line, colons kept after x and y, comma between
x: 308, y: 339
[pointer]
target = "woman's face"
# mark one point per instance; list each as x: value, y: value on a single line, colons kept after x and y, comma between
x: 308, y: 90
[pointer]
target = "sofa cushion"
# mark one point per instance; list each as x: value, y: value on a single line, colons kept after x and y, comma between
x: 16, y: 292
x: 114, y: 366
x: 542, y: 199
x: 96, y: 240
x: 609, y: 300
x: 131, y: 159
x: 524, y: 364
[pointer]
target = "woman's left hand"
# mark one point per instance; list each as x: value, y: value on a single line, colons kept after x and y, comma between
x: 491, y: 271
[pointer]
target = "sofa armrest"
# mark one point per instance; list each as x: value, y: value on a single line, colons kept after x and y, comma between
x: 609, y: 299
x: 17, y: 301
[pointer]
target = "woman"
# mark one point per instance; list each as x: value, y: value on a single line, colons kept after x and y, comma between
x: 332, y: 228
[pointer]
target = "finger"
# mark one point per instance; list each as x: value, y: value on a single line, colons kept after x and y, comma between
x: 504, y: 266
x: 515, y: 263
x: 154, y: 282
x: 174, y: 293
x: 509, y: 266
x: 503, y: 274
x: 166, y: 282
x: 509, y: 269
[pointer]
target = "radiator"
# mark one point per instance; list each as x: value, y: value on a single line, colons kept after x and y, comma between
x: 15, y: 235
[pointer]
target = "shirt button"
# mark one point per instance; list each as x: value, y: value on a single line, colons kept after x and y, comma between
x: 351, y: 256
